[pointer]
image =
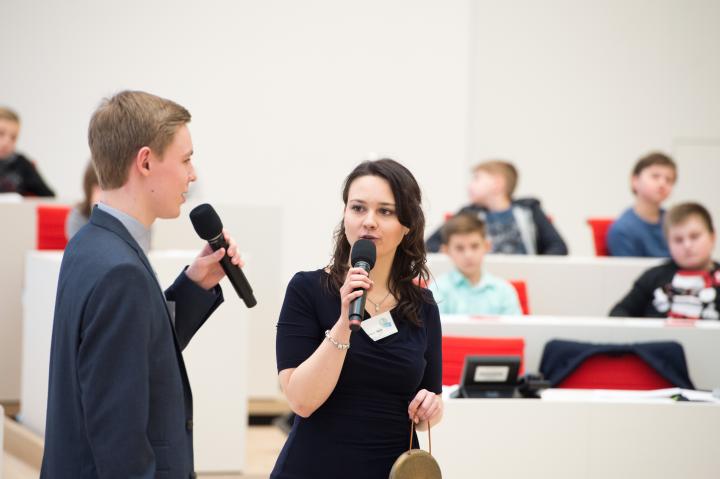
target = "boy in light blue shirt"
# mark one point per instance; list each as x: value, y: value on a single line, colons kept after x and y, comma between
x: 467, y: 289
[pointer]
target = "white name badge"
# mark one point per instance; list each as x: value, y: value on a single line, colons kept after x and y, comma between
x: 380, y: 326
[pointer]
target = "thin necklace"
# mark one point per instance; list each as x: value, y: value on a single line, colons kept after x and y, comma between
x: 377, y: 305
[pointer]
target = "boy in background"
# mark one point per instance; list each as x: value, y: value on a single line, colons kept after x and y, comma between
x: 513, y: 226
x: 468, y: 289
x: 688, y: 285
x: 17, y: 173
x: 639, y: 231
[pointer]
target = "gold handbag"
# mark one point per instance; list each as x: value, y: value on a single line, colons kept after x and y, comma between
x: 416, y: 463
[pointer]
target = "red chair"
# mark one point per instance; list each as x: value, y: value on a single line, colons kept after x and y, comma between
x: 455, y: 348
x: 51, y: 226
x: 626, y: 371
x: 600, y: 227
x: 521, y: 289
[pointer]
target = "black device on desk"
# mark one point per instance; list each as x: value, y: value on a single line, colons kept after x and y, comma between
x: 489, y: 377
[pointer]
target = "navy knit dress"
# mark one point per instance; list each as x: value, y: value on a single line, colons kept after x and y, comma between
x: 363, y: 426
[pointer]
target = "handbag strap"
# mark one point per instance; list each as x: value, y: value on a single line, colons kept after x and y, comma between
x: 412, y: 430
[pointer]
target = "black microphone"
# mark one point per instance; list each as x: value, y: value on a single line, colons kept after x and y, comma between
x: 208, y: 226
x: 362, y: 256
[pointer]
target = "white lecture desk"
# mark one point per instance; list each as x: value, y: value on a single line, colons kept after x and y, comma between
x: 578, y: 439
x: 563, y: 285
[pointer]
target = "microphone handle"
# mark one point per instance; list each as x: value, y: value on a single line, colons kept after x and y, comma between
x: 234, y: 273
x: 357, y: 305
x: 357, y: 311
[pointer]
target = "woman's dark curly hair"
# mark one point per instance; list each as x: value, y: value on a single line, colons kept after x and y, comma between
x: 409, y: 264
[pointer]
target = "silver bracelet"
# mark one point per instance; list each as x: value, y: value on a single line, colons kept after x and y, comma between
x: 340, y: 346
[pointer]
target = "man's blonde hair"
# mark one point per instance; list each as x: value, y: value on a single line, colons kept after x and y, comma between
x: 503, y: 168
x: 125, y: 123
x: 8, y: 114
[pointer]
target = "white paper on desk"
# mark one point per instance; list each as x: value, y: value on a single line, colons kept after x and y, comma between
x: 10, y: 198
x: 625, y: 395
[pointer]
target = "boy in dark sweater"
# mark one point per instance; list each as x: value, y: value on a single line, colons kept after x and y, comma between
x: 17, y: 173
x: 513, y: 226
x: 688, y: 286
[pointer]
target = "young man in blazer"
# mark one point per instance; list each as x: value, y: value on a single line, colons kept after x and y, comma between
x: 119, y: 400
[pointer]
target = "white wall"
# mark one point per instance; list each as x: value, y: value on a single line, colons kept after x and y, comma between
x: 574, y: 92
x: 286, y: 96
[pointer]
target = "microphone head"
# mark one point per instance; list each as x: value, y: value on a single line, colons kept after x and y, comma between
x: 363, y: 250
x: 206, y: 221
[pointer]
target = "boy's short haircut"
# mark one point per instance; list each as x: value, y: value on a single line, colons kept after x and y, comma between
x: 462, y: 224
x: 125, y: 123
x: 653, y: 159
x: 678, y: 214
x: 8, y: 114
x: 504, y: 168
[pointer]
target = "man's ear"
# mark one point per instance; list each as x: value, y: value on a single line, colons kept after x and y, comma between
x: 443, y: 248
x: 142, y: 161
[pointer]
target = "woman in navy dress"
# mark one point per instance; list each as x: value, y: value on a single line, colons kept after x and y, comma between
x: 355, y: 394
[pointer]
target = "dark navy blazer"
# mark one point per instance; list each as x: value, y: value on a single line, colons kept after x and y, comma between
x: 119, y: 400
